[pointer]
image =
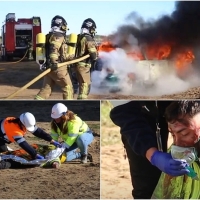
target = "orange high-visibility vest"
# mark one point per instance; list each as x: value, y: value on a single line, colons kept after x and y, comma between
x: 11, y: 129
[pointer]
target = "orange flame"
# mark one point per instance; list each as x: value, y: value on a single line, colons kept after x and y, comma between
x: 157, y: 51
x: 184, y: 58
x: 106, y: 47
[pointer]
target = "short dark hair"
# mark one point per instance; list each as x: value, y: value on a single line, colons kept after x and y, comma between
x: 177, y: 110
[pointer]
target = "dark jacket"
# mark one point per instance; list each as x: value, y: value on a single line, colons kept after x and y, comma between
x: 138, y: 123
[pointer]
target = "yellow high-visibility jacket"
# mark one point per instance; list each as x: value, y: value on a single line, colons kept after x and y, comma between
x: 75, y: 128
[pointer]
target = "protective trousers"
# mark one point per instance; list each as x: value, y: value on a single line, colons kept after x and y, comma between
x: 30, y: 51
x: 82, y: 143
x: 84, y: 80
x: 59, y: 77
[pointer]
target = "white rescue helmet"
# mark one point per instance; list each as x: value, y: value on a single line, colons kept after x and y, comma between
x: 58, y: 110
x: 28, y: 120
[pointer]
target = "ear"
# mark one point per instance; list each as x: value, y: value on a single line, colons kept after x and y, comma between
x: 63, y: 113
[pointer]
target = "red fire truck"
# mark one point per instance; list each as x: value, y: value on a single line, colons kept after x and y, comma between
x: 17, y: 34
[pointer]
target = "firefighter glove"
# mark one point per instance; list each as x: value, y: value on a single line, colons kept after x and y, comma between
x: 53, y: 66
x: 168, y: 165
x: 43, y: 67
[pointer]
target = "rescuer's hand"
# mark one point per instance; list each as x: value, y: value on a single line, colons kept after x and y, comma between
x: 38, y: 156
x: 53, y: 66
x: 168, y: 165
x: 57, y: 144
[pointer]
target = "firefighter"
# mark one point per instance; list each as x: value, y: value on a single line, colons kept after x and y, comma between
x: 13, y: 129
x: 86, y: 45
x: 73, y: 131
x: 30, y: 49
x: 56, y: 52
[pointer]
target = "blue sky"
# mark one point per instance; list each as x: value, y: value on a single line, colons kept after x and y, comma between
x: 108, y: 15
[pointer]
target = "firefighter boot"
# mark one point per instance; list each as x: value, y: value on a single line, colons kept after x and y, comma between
x: 68, y: 93
x: 83, y: 91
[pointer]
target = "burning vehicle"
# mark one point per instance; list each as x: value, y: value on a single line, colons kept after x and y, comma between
x: 153, y: 50
x: 148, y: 65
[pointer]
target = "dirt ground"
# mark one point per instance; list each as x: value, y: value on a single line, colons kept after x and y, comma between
x: 115, y: 175
x: 72, y: 180
x: 14, y: 76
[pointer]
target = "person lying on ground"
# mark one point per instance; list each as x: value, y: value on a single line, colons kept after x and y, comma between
x: 13, y: 129
x: 15, y: 159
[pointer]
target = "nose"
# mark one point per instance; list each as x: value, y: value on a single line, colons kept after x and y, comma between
x: 177, y: 140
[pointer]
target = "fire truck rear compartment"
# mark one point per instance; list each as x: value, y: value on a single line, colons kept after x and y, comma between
x: 22, y: 37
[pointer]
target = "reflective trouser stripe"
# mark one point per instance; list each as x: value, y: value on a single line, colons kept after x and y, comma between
x: 38, y: 97
x: 68, y: 92
x: 85, y: 89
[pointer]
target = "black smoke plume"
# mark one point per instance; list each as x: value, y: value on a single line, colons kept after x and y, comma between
x: 181, y: 28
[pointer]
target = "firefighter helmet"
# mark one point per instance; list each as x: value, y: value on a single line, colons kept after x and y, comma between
x: 58, y: 110
x: 90, y: 25
x: 60, y: 22
x: 28, y: 120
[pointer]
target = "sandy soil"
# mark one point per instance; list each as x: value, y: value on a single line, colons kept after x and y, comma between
x: 115, y: 175
x: 14, y: 76
x: 72, y: 180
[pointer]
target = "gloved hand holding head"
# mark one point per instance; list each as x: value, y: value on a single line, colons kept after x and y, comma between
x: 28, y: 120
x: 167, y: 164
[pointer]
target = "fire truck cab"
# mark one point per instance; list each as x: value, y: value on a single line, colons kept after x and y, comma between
x: 17, y: 34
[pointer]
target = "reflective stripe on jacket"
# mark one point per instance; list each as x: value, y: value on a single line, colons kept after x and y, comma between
x: 75, y: 128
x: 12, y: 131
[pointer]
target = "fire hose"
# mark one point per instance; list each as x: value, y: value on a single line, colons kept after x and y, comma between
x: 7, y: 63
x: 44, y: 73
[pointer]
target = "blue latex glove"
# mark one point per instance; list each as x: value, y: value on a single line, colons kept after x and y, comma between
x: 57, y: 144
x: 167, y: 164
x: 38, y: 156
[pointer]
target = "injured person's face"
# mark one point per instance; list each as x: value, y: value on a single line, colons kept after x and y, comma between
x: 185, y: 131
